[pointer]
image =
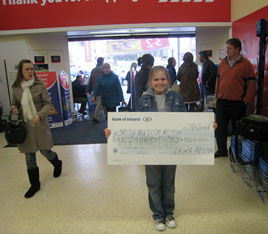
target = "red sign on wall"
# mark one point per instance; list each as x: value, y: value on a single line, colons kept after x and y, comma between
x: 245, y: 30
x: 33, y: 14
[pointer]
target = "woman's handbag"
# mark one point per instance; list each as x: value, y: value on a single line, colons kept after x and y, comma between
x: 15, y: 132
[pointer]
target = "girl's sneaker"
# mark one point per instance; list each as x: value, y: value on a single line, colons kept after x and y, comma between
x: 171, y: 222
x: 159, y: 225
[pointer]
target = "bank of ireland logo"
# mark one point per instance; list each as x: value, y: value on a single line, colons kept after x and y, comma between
x: 147, y: 119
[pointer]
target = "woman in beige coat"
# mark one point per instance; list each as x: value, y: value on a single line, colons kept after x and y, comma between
x: 31, y: 102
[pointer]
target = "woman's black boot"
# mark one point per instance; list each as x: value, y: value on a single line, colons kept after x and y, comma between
x: 57, y: 166
x: 33, y: 175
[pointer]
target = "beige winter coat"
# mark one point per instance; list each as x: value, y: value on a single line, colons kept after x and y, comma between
x: 38, y: 136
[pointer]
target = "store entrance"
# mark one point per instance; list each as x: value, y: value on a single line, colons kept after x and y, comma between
x: 121, y: 53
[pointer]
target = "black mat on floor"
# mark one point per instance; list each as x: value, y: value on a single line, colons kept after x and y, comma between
x: 79, y: 132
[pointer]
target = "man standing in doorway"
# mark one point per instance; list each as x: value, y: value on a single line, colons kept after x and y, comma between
x: 235, y: 88
x: 142, y: 77
x: 208, y: 77
x: 93, y: 79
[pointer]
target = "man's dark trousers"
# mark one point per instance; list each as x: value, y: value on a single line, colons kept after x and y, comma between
x: 227, y: 110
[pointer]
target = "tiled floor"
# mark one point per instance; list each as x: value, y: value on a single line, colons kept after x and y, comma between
x: 91, y: 197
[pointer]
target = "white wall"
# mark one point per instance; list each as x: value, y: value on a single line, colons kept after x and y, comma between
x: 212, y: 38
x: 15, y: 48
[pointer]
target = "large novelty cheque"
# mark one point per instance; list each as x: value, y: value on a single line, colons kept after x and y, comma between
x: 149, y: 138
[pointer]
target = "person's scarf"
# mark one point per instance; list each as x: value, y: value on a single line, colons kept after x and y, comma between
x: 28, y: 107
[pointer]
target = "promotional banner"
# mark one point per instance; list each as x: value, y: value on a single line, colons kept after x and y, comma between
x: 136, y: 45
x: 88, y: 51
x: 154, y: 43
x: 124, y: 46
x: 33, y: 14
x: 245, y: 30
x: 55, y: 115
x: 65, y: 98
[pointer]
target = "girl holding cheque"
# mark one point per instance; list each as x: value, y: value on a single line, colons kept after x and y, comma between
x: 160, y: 179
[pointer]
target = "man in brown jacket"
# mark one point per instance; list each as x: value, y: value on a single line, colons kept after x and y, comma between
x: 235, y: 88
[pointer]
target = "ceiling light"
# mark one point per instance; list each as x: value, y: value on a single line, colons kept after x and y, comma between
x: 101, y: 32
x: 151, y: 34
x: 151, y: 30
x: 113, y: 35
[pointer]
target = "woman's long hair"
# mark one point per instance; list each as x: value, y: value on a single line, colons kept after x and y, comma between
x: 19, y: 73
x: 188, y: 59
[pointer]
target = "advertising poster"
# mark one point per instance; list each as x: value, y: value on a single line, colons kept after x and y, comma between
x: 65, y: 98
x: 55, y: 115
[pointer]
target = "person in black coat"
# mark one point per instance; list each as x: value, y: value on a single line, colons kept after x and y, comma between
x: 79, y: 93
x: 208, y: 77
x: 142, y: 77
x: 131, y: 85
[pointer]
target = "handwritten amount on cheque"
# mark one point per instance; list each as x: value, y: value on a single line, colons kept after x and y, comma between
x: 162, y: 141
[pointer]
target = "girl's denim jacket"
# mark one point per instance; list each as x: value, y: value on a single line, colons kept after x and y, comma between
x: 147, y: 102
